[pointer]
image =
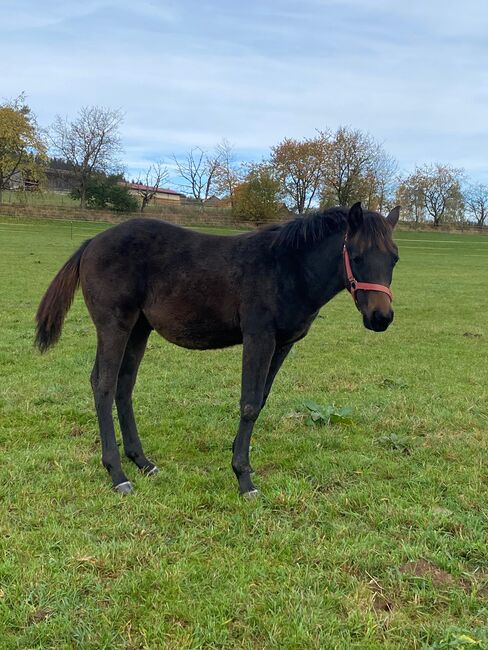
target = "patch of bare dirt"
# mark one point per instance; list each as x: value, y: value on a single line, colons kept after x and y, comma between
x: 267, y: 468
x: 439, y: 577
x: 382, y: 604
x: 40, y: 614
x: 381, y: 601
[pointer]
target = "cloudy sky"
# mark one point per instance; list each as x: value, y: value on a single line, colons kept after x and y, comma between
x: 412, y: 73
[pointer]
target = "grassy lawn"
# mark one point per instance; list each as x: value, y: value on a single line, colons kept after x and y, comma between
x: 40, y: 198
x: 372, y: 535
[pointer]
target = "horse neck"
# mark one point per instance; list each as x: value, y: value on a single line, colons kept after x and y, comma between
x: 323, y: 270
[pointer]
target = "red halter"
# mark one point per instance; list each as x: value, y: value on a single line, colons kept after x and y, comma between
x: 354, y: 285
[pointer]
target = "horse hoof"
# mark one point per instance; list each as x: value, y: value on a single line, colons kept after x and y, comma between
x: 153, y: 471
x: 252, y: 494
x: 124, y: 488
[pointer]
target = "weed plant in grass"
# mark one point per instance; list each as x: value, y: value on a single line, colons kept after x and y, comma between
x: 368, y: 534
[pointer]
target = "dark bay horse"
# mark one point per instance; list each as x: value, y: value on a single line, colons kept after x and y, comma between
x: 262, y: 289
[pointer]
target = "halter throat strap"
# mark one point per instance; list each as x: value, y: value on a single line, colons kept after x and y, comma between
x: 353, y: 285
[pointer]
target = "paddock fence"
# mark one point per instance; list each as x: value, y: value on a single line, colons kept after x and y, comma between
x: 185, y: 213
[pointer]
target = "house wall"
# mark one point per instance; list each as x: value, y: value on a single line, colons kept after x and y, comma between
x: 160, y: 198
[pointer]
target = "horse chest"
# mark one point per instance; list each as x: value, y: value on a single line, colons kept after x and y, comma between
x: 294, y: 327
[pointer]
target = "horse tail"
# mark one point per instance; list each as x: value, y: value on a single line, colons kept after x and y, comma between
x: 57, y: 300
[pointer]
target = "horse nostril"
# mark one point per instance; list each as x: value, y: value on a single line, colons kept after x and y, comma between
x: 381, y: 321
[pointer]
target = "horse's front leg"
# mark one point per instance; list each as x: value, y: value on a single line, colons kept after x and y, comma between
x: 257, y: 353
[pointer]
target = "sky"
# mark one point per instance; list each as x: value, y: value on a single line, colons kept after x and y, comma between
x: 414, y: 74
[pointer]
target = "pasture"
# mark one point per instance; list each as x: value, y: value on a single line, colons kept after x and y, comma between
x: 371, y: 535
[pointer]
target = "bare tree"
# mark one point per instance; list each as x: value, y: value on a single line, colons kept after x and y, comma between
x: 198, y: 169
x: 150, y: 182
x: 385, y: 174
x: 476, y: 202
x: 229, y: 173
x: 91, y: 143
x: 298, y: 165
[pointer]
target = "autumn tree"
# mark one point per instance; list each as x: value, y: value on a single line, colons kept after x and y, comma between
x: 90, y: 143
x: 22, y: 150
x: 476, y: 203
x: 298, y: 166
x: 150, y: 182
x: 198, y: 170
x: 442, y: 192
x: 440, y: 189
x: 356, y: 169
x: 410, y: 196
x: 256, y: 198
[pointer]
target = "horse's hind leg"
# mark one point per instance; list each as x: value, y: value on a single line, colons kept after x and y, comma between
x: 134, y: 352
x: 112, y: 341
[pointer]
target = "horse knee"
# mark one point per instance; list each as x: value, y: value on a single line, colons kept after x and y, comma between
x: 250, y: 412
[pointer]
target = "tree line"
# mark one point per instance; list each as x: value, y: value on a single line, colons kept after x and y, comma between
x: 334, y: 167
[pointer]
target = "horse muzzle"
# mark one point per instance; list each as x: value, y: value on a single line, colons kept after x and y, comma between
x: 378, y: 321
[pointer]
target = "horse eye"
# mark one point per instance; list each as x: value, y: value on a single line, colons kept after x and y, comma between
x: 395, y: 259
x: 357, y: 259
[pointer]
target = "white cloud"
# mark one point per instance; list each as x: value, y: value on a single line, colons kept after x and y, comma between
x: 413, y: 75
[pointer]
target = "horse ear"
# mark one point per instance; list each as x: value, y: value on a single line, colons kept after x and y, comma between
x: 393, y: 216
x: 355, y: 217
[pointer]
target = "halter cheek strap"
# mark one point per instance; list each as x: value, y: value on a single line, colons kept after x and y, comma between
x: 354, y: 285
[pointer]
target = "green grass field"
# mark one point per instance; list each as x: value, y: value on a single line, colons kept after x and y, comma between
x: 60, y: 199
x: 372, y: 535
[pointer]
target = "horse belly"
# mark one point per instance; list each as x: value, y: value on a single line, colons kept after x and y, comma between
x: 197, y: 327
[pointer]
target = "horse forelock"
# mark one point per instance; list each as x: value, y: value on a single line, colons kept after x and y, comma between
x: 376, y: 232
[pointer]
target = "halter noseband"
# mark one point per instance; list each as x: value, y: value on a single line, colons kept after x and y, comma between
x: 354, y: 285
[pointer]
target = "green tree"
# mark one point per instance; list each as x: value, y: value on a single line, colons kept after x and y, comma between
x: 107, y: 192
x: 256, y: 198
x: 22, y: 150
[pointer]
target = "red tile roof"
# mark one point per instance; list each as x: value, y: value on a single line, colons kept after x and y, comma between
x: 159, y: 190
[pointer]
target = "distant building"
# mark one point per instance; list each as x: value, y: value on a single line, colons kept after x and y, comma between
x: 21, y: 182
x: 162, y: 195
x: 60, y: 180
x: 216, y: 202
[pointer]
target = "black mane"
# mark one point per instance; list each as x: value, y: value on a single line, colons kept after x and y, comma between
x: 305, y: 232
